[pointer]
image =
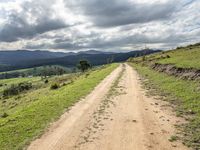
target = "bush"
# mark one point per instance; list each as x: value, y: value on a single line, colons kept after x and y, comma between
x: 46, y: 81
x: 16, y: 89
x: 83, y: 65
x: 87, y: 74
x: 64, y: 84
x: 4, y: 115
x: 24, y: 86
x: 54, y: 86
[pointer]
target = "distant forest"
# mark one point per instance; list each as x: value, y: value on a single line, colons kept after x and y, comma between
x: 43, y: 71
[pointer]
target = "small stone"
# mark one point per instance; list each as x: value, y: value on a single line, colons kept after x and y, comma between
x: 152, y: 133
x: 173, y: 145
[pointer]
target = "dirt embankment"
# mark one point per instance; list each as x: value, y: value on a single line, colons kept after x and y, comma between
x: 183, y: 73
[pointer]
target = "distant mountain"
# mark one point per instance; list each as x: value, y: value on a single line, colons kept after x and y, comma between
x: 13, y: 57
x: 10, y: 60
x: 18, y: 56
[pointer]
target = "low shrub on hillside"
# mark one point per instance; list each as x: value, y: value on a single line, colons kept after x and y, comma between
x: 54, y: 86
x: 4, y: 115
x: 87, y: 74
x: 46, y: 81
x: 16, y: 89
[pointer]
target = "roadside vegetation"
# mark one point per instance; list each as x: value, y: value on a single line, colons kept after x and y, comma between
x: 183, y: 94
x: 25, y: 115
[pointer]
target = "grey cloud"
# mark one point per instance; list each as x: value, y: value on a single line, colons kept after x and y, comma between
x: 117, y: 42
x: 165, y: 24
x: 64, y: 45
x: 19, y: 25
x: 111, y: 13
x: 36, y: 46
x: 61, y: 40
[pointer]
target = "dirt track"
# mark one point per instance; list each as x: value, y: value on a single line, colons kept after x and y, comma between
x: 113, y: 117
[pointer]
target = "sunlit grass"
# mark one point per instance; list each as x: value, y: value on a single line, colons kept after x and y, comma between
x: 184, y: 58
x: 45, y: 105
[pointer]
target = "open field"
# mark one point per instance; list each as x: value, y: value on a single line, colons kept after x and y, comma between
x: 39, y: 107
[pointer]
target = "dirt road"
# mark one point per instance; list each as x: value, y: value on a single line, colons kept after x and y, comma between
x: 115, y: 116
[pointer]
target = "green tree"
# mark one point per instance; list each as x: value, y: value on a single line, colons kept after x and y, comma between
x: 83, y: 65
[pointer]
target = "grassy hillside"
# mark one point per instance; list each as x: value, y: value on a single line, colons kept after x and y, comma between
x: 184, y: 57
x: 39, y: 107
x: 8, y: 82
x: 182, y: 93
x: 187, y: 57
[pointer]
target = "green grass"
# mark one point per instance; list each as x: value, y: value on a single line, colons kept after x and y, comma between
x: 19, y: 70
x: 184, y: 57
x: 184, y: 94
x: 31, y: 70
x: 13, y: 103
x: 8, y: 82
x: 173, y: 138
x: 28, y: 121
x: 18, y: 80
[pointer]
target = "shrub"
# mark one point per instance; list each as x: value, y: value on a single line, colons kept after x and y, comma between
x: 87, y: 74
x: 54, y: 86
x: 16, y: 89
x: 83, y: 65
x: 4, y: 115
x: 64, y: 84
x: 24, y: 86
x: 46, y: 81
x: 143, y: 58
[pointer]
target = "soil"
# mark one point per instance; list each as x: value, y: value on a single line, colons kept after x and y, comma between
x: 184, y: 73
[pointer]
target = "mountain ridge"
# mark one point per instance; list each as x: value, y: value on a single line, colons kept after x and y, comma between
x: 27, y: 59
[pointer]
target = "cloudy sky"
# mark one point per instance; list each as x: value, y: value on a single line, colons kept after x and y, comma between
x: 110, y: 25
